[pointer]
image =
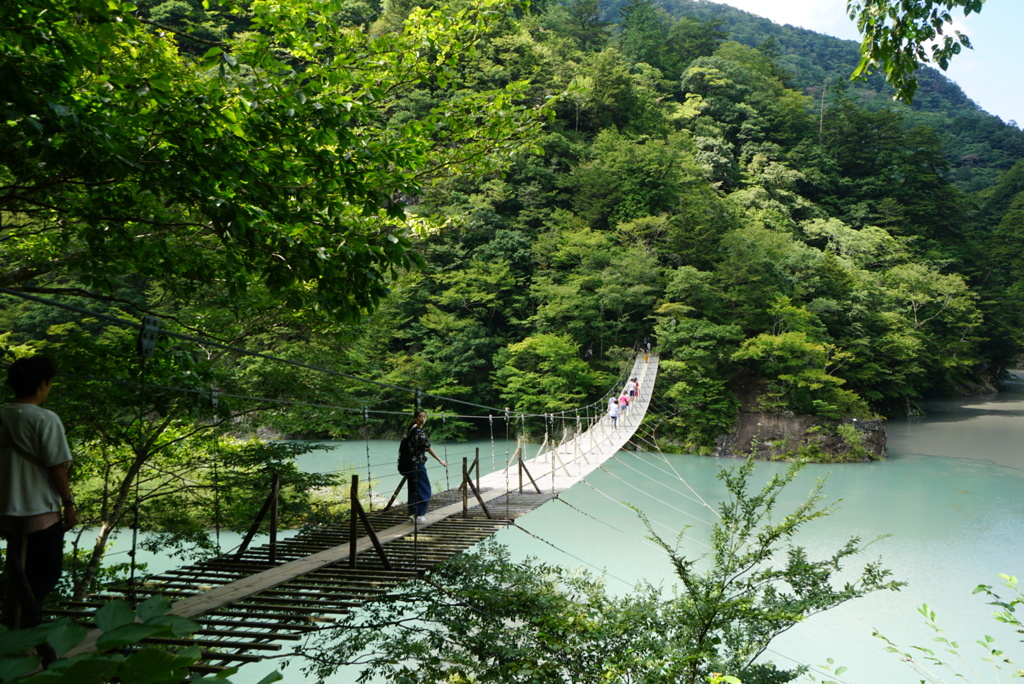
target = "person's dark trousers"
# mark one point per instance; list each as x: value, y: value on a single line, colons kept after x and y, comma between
x: 43, y: 552
x: 419, y: 490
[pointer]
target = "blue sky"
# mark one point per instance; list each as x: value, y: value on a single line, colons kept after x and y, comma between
x: 990, y: 74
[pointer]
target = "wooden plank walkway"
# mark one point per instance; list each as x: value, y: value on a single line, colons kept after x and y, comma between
x: 246, y: 604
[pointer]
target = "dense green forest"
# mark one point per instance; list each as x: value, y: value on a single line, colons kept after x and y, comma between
x: 471, y: 205
x: 490, y: 202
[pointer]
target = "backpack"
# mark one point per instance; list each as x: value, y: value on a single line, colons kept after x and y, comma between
x: 405, y: 455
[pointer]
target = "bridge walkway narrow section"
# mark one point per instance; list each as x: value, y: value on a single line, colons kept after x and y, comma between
x: 247, y: 605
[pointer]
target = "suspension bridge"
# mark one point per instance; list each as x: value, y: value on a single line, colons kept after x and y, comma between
x: 250, y: 602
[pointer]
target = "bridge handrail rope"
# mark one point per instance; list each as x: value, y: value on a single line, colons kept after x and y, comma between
x: 141, y: 326
x: 239, y: 350
x: 124, y: 323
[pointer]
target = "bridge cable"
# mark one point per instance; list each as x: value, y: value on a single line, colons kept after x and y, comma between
x: 674, y: 472
x: 369, y: 471
x: 227, y: 347
x: 145, y: 349
x: 605, y: 522
x: 444, y: 443
x: 215, y: 452
x: 840, y: 608
x: 508, y: 467
x: 245, y: 352
x: 665, y: 485
x: 490, y: 426
x: 602, y: 571
x: 694, y: 541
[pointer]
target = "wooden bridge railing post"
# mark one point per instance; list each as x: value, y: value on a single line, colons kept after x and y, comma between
x: 353, y: 531
x: 467, y: 484
x: 464, y: 488
x: 275, y: 494
x: 522, y: 469
x: 475, y: 466
x: 357, y: 514
x: 519, y: 452
x: 269, y: 505
x: 394, y: 496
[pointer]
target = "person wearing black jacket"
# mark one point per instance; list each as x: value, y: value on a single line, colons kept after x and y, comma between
x: 416, y: 474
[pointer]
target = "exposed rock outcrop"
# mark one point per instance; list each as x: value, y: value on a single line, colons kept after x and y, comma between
x: 786, y: 436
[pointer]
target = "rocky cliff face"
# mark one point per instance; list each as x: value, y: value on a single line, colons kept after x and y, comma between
x: 786, y: 436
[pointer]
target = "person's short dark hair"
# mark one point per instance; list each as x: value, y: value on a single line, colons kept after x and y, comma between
x: 26, y: 375
x: 417, y: 412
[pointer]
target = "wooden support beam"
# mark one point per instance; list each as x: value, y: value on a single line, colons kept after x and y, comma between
x: 270, y: 502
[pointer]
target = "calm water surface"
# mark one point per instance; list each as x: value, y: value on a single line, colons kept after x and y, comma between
x: 949, y: 497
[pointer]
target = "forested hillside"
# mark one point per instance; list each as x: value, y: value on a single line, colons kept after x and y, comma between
x: 816, y: 244
x: 471, y: 204
x: 977, y: 146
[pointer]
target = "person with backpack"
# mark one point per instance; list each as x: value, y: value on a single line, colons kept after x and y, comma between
x: 36, y: 506
x: 412, y: 463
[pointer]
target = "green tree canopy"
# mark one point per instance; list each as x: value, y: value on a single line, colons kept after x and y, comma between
x: 271, y: 158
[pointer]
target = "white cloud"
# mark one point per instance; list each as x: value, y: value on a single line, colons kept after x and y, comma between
x: 823, y: 16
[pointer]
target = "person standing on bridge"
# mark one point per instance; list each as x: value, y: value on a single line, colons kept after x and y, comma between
x: 613, y: 412
x: 36, y: 506
x: 419, y: 481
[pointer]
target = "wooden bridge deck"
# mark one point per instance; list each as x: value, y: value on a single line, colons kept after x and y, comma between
x: 246, y: 605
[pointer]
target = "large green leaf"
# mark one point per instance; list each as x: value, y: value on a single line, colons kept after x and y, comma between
x: 126, y: 635
x: 151, y: 665
x: 114, y: 615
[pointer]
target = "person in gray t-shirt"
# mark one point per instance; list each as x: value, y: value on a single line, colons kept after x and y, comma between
x: 36, y: 505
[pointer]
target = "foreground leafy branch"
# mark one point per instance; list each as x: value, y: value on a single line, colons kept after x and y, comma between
x: 897, y: 36
x: 986, y: 662
x: 759, y: 584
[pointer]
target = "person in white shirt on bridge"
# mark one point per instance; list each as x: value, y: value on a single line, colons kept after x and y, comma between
x: 36, y: 506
